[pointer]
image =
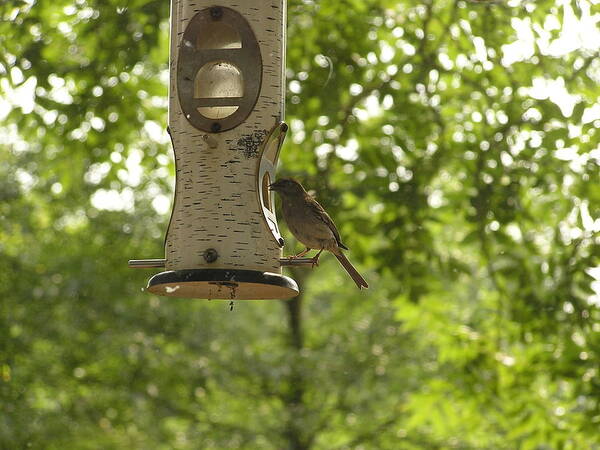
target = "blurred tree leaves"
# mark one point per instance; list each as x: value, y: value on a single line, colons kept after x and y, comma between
x: 433, y: 132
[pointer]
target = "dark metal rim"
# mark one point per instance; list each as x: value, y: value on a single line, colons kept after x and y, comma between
x: 222, y: 276
x: 247, y: 59
x: 264, y: 165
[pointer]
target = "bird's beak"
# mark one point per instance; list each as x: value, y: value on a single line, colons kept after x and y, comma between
x: 272, y: 187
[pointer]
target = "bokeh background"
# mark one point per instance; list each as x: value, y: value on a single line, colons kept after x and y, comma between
x: 454, y: 143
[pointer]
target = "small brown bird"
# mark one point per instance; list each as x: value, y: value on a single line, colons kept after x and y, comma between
x: 311, y: 225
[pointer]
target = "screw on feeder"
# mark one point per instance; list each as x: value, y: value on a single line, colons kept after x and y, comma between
x: 210, y: 255
x: 216, y: 12
x: 215, y: 127
x: 211, y: 141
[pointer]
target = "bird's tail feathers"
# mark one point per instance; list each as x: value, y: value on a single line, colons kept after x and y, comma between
x: 357, y: 277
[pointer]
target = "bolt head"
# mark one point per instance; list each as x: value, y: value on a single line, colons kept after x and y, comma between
x: 210, y: 255
x: 216, y: 12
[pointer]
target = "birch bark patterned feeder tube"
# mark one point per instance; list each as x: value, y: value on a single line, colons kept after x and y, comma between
x: 226, y: 106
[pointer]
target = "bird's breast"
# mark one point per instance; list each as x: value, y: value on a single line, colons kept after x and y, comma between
x: 306, y: 226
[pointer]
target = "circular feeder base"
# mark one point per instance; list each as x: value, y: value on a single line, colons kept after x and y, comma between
x: 223, y: 284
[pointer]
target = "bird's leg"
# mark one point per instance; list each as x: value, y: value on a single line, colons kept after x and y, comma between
x: 315, y: 259
x: 299, y: 254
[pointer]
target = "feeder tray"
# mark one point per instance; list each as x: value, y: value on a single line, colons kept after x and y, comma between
x: 223, y: 284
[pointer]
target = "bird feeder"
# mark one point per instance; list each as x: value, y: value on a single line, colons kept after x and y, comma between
x: 226, y: 106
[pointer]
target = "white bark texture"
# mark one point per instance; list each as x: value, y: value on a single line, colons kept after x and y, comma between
x: 216, y: 202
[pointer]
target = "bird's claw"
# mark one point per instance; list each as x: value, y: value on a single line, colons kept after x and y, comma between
x: 299, y: 255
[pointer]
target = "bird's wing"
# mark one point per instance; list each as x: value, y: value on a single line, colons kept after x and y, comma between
x: 317, y: 210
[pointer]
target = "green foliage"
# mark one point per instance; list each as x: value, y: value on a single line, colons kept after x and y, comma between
x: 470, y: 201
